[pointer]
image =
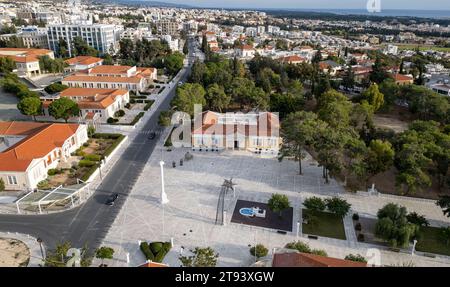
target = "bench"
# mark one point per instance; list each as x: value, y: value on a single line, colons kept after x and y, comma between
x: 313, y: 237
x: 282, y: 232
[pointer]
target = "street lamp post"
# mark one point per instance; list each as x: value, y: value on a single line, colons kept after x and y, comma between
x: 39, y: 240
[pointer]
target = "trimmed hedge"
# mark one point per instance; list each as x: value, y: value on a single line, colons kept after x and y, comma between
x: 53, y: 171
x: 106, y: 136
x: 147, y: 252
x: 155, y: 251
x: 148, y: 105
x: 138, y: 97
x: 93, y: 157
x: 137, y: 118
x: 86, y: 163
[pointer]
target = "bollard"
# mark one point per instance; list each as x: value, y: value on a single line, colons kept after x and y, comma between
x: 181, y: 162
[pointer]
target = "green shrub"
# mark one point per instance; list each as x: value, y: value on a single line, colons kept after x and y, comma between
x: 128, y: 106
x: 106, y: 136
x: 314, y: 204
x: 356, y: 258
x: 53, y: 171
x: 148, y: 105
x: 160, y: 256
x: 93, y: 157
x: 132, y: 101
x: 155, y: 247
x: 259, y: 251
x: 86, y: 163
x: 119, y: 113
x: 2, y: 185
x: 55, y: 88
x: 111, y: 120
x: 299, y: 246
x: 147, y: 252
x: 355, y: 216
x: 137, y: 118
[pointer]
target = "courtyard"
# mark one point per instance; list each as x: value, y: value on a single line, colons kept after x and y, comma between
x: 193, y: 190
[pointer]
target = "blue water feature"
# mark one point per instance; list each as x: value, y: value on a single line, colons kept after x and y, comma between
x: 246, y: 211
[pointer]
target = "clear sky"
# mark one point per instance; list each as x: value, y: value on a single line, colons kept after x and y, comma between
x: 321, y: 4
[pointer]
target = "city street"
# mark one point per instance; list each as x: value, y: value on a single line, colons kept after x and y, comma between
x: 89, y: 223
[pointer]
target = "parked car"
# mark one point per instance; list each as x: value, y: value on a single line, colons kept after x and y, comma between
x: 180, y: 83
x: 112, y: 198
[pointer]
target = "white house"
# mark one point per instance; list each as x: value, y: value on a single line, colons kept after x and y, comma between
x: 101, y: 102
x: 253, y: 131
x: 29, y: 149
x: 82, y: 63
x: 27, y: 60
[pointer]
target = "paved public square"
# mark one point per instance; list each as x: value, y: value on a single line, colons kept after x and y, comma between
x: 193, y: 190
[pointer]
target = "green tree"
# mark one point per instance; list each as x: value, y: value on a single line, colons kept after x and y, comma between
x: 298, y: 131
x: 217, y: 99
x: 315, y: 204
x: 203, y: 257
x: 104, y: 253
x: 187, y: 96
x: 7, y: 65
x: 59, y: 256
x: 173, y: 63
x: 30, y: 106
x: 2, y: 185
x: 393, y: 226
x: 259, y: 251
x: 55, y: 88
x: 348, y: 81
x: 374, y: 96
x: 444, y: 203
x: 334, y: 108
x: 380, y: 156
x: 378, y: 73
x: 81, y: 48
x: 417, y: 219
x: 63, y: 108
x: 338, y: 206
x: 278, y: 203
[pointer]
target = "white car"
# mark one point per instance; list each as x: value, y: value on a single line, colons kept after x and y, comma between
x: 180, y: 83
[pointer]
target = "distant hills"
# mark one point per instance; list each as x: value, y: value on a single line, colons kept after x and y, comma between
x: 143, y: 3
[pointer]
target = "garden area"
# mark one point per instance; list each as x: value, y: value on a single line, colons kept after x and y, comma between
x: 323, y: 224
x: 84, y: 161
x: 324, y: 217
x: 433, y: 240
x: 397, y: 229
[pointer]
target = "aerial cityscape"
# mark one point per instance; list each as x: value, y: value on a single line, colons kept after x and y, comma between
x: 236, y: 134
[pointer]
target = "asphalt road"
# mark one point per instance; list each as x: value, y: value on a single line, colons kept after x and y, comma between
x: 89, y: 223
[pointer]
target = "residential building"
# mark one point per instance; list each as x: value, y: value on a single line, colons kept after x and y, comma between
x: 113, y: 77
x: 29, y: 149
x: 402, y: 79
x: 27, y: 60
x: 167, y: 27
x: 102, y: 37
x: 245, y: 51
x: 80, y: 63
x: 31, y: 37
x: 294, y: 59
x: 256, y: 132
x: 100, y: 102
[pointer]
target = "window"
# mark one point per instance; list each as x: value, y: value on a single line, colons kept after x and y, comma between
x: 12, y: 180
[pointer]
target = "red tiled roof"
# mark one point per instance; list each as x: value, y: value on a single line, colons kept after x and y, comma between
x: 101, y: 79
x: 83, y: 60
x: 297, y: 259
x: 40, y: 139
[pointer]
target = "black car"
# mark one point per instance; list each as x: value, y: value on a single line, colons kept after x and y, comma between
x: 112, y: 198
x: 152, y: 135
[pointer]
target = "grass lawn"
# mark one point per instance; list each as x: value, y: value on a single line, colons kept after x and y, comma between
x: 431, y: 242
x: 423, y: 47
x: 327, y: 225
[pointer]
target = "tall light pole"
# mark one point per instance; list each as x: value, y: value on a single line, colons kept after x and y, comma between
x: 163, y: 200
x: 39, y: 240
